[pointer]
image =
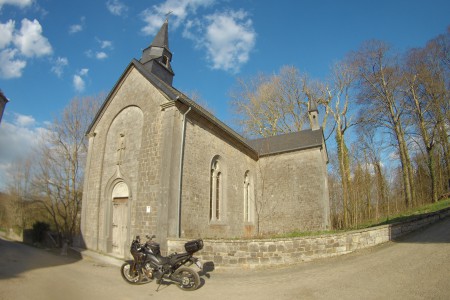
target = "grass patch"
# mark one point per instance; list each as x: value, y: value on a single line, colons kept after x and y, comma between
x: 407, y: 215
x: 296, y: 234
x: 402, y: 217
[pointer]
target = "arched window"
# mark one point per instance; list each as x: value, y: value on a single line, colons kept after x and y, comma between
x: 248, y: 198
x: 216, y: 191
x: 165, y: 61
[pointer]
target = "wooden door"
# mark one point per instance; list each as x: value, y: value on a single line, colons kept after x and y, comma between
x: 119, y: 225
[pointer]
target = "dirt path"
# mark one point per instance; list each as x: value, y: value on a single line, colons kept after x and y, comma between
x: 417, y: 267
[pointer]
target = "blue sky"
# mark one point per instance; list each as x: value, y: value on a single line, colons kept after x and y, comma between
x: 54, y: 50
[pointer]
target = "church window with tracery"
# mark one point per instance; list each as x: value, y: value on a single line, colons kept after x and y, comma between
x: 248, y: 198
x: 216, y: 191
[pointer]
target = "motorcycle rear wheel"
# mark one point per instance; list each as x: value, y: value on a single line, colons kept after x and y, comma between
x: 188, y: 277
x: 128, y: 275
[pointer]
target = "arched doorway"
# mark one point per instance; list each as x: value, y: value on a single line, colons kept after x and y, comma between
x: 120, y: 199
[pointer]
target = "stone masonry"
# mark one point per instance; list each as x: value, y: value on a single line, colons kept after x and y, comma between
x: 287, y: 251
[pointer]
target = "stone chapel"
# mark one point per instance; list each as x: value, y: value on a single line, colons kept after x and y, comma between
x: 158, y: 163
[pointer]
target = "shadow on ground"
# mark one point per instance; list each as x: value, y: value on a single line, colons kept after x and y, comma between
x: 438, y: 232
x: 17, y: 258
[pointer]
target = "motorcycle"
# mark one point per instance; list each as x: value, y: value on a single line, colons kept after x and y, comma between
x: 149, y: 264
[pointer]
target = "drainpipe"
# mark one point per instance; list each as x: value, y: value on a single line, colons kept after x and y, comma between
x: 183, y: 136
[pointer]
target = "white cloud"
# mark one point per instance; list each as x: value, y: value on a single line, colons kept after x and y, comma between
x: 105, y: 44
x: 20, y: 3
x: 116, y: 7
x: 30, y: 41
x: 228, y: 38
x: 180, y: 9
x: 78, y: 83
x: 101, y: 55
x: 83, y: 72
x: 77, y: 27
x: 78, y: 80
x: 59, y: 65
x: 10, y: 66
x: 16, y: 46
x: 19, y: 139
x: 24, y: 120
x: 6, y: 33
x: 89, y: 53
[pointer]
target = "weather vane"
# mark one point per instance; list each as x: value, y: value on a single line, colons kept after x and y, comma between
x: 168, y: 14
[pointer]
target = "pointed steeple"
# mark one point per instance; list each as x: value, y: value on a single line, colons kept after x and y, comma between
x: 162, y: 37
x: 157, y: 57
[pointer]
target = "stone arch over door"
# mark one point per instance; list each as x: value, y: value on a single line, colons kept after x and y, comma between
x: 120, y: 212
x: 120, y: 169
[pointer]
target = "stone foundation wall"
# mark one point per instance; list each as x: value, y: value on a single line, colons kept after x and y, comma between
x: 278, y: 252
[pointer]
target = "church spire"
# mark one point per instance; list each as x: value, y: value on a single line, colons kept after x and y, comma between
x: 162, y: 37
x: 157, y: 57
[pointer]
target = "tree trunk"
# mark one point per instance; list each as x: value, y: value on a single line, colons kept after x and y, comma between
x: 405, y: 163
x: 344, y: 172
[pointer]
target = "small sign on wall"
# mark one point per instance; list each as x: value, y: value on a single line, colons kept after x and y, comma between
x: 149, y: 209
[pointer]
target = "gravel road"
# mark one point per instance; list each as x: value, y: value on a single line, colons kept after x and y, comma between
x: 415, y: 267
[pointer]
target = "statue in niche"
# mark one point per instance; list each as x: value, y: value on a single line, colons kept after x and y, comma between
x: 120, y: 149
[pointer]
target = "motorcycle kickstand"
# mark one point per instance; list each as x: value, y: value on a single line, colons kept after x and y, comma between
x: 159, y: 281
x: 159, y: 284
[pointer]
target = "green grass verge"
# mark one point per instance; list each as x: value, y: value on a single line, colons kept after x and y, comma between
x: 405, y: 216
x: 402, y: 217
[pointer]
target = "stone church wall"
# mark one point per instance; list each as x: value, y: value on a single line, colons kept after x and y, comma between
x: 292, y: 192
x: 203, y: 144
x: 289, y: 189
x: 134, y: 111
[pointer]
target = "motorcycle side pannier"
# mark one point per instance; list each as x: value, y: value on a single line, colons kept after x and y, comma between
x: 193, y: 246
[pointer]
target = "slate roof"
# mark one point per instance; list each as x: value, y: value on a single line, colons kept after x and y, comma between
x: 162, y: 37
x: 288, y: 142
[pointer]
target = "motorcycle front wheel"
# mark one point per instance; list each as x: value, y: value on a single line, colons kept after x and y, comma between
x: 189, y: 279
x: 128, y: 275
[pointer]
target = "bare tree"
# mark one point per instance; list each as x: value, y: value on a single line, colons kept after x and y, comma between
x: 339, y: 98
x: 18, y: 190
x: 59, y: 177
x: 438, y: 60
x: 381, y: 82
x: 373, y: 148
x: 424, y: 91
x: 270, y: 105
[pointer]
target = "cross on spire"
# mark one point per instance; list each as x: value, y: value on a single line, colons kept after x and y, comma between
x: 168, y: 14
